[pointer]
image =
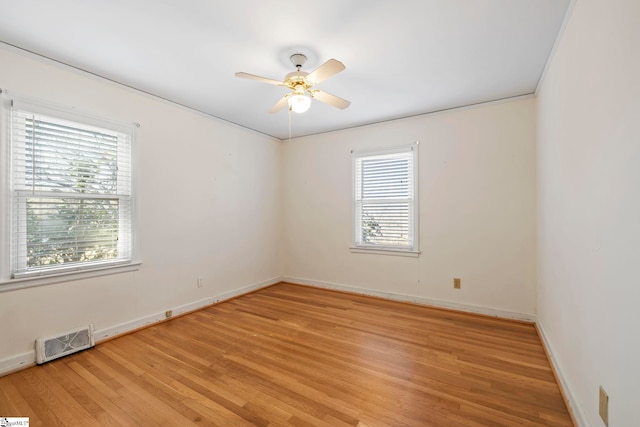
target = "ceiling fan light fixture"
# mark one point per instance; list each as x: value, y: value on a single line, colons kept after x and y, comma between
x: 299, y: 103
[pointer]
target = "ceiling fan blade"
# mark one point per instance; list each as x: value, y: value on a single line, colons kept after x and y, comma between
x: 326, y: 70
x: 279, y: 105
x: 258, y: 78
x: 333, y: 100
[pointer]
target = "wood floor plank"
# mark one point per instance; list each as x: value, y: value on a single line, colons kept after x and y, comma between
x: 102, y: 394
x: 291, y: 355
x: 10, y: 406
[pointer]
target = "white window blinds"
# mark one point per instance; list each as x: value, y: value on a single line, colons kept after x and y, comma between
x: 71, y: 194
x: 385, y: 199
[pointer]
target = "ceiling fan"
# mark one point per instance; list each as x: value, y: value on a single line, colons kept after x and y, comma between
x: 301, y: 84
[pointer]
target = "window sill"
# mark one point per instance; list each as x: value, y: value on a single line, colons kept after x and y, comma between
x: 31, y: 282
x: 384, y: 251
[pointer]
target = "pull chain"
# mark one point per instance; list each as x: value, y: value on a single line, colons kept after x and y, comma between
x: 289, y: 123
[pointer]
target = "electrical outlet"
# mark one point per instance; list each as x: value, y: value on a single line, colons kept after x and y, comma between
x: 168, y: 313
x: 200, y: 282
x: 456, y: 283
x: 604, y: 406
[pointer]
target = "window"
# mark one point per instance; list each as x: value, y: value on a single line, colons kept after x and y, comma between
x: 70, y: 192
x: 385, y: 201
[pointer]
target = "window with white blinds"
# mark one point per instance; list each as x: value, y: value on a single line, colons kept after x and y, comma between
x: 71, y: 193
x: 385, y: 199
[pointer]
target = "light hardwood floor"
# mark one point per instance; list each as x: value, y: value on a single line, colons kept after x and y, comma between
x: 295, y: 355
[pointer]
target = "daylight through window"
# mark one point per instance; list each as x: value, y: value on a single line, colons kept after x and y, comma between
x: 385, y: 199
x: 71, y: 194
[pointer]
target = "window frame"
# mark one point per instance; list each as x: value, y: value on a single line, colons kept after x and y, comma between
x: 10, y: 278
x: 412, y: 250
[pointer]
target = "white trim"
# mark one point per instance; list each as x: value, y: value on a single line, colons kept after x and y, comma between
x: 102, y: 334
x: 16, y: 103
x: 577, y: 411
x: 67, y: 276
x: 24, y: 360
x: 246, y: 289
x: 469, y: 308
x: 79, y: 71
x: 122, y: 328
x: 18, y: 362
x: 357, y: 245
x: 482, y: 104
x: 5, y: 185
x: 49, y: 109
x: 383, y: 251
x: 556, y: 43
x: 119, y: 85
x: 382, y: 151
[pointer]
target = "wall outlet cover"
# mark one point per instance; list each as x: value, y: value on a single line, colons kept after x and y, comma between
x: 604, y: 406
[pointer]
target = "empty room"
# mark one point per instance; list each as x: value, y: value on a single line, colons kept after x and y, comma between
x: 346, y: 213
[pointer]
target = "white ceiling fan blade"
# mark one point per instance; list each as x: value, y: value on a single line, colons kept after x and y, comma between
x: 258, y: 78
x: 326, y: 70
x: 279, y: 105
x: 333, y: 100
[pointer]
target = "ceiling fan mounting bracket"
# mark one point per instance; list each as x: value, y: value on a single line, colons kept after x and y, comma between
x: 298, y: 60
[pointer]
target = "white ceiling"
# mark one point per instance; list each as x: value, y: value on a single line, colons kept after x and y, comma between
x: 402, y: 58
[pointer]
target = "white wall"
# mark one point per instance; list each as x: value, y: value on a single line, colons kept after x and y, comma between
x: 589, y: 208
x: 477, y: 209
x: 210, y: 206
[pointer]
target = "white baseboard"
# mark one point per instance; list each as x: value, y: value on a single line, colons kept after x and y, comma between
x: 17, y: 363
x: 24, y: 360
x: 469, y: 308
x: 103, y: 334
x: 21, y: 361
x: 122, y: 328
x: 247, y: 289
x: 576, y: 409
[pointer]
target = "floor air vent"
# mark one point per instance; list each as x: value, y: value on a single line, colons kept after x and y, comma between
x: 69, y: 342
